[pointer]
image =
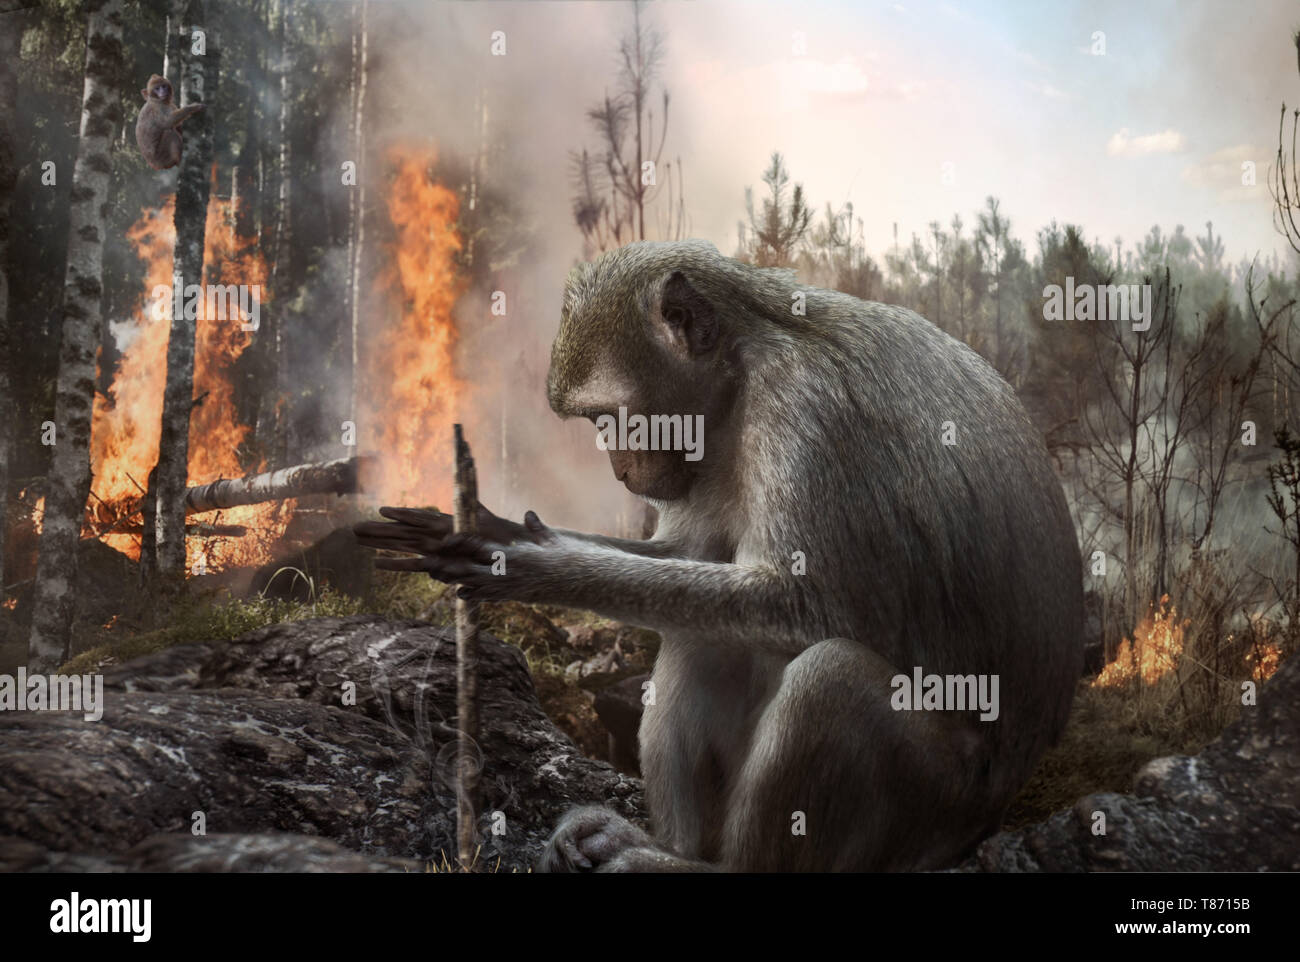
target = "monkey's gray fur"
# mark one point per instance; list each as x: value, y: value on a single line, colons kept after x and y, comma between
x: 772, y: 691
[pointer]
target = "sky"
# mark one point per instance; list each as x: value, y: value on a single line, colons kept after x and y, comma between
x: 882, y: 98
x: 1006, y: 99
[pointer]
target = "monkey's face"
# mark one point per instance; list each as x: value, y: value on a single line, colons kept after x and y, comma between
x: 641, y: 354
x: 159, y: 89
x: 658, y: 475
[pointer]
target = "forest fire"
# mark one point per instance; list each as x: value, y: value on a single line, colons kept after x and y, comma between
x: 1151, y: 654
x: 127, y: 424
x: 1158, y: 645
x: 411, y: 393
x: 1264, y: 661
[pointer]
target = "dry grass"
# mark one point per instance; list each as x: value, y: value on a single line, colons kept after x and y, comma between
x: 1171, y: 688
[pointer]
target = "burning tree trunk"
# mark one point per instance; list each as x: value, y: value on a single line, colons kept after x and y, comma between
x: 69, y: 474
x: 328, y: 477
x: 191, y: 224
x: 283, y: 244
x: 8, y: 181
x: 149, y: 533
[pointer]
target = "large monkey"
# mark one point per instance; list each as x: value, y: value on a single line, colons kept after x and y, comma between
x: 838, y: 533
x: 157, y: 130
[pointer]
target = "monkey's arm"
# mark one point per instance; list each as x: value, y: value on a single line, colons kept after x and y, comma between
x: 184, y: 114
x: 745, y: 604
x: 645, y: 549
x: 422, y: 532
x: 730, y: 602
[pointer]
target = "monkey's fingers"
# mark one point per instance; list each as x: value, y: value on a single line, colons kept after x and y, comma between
x: 455, y: 571
x: 467, y: 546
x: 569, y: 846
x: 438, y: 568
x: 537, y: 529
x: 377, y: 534
x: 419, y: 517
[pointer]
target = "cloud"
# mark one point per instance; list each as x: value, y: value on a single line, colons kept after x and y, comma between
x: 1222, y: 172
x: 910, y: 89
x: 1165, y: 142
x: 843, y: 78
x: 1048, y: 91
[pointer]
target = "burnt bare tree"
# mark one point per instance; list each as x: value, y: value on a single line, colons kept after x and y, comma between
x: 8, y: 182
x: 1117, y: 429
x: 614, y: 187
x: 357, y: 194
x: 198, y: 78
x: 1284, y: 501
x: 1285, y: 184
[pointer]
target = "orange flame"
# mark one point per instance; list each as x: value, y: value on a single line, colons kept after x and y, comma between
x: 1153, y: 652
x: 1264, y: 661
x: 127, y: 425
x: 1158, y: 644
x: 411, y: 393
x: 408, y: 391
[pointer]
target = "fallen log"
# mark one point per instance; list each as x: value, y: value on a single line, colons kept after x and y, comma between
x: 193, y: 530
x: 324, y: 477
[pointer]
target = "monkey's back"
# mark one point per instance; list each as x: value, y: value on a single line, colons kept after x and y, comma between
x: 956, y: 558
x: 150, y: 125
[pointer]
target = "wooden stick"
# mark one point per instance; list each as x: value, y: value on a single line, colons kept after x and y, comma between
x: 467, y: 767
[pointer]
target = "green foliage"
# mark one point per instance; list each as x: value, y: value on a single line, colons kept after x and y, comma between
x: 776, y: 231
x: 205, y: 620
x: 197, y: 617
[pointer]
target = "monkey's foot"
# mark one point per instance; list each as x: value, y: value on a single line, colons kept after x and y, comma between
x: 590, y: 838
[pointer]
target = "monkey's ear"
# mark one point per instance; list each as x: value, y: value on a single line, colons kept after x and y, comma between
x: 688, y: 316
x: 145, y: 93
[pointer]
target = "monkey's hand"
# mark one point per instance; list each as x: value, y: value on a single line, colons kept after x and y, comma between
x: 185, y: 113
x: 530, y: 569
x: 422, y: 532
x: 502, y: 561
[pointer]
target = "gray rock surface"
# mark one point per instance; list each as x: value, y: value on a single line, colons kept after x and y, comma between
x: 260, y: 735
x: 292, y: 776
x: 1233, y: 808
